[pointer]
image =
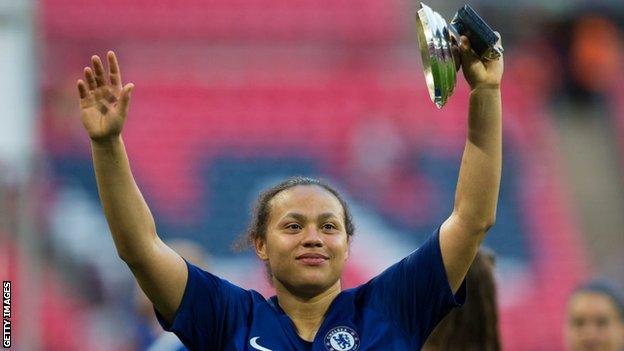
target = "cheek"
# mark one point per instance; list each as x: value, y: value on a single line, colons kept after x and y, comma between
x: 280, y: 247
x: 571, y: 332
x: 340, y: 246
x: 617, y: 334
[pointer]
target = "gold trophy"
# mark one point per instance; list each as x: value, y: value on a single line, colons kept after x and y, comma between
x: 436, y: 40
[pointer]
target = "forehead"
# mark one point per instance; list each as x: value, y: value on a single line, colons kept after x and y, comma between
x: 590, y: 302
x: 308, y: 200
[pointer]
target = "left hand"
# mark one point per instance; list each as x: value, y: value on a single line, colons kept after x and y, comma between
x: 480, y: 73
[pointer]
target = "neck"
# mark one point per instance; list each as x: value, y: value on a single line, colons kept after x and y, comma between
x: 306, y: 312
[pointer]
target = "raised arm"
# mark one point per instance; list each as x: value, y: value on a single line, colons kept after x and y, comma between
x: 476, y: 196
x: 104, y: 102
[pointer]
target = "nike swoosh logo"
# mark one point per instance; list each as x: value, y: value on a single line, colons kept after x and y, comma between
x: 255, y: 345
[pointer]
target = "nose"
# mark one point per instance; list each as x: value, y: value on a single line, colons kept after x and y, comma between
x: 312, y: 238
x: 591, y: 334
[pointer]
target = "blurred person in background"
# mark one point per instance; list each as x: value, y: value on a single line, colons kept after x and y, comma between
x: 595, y: 318
x: 474, y: 326
x: 302, y: 230
x: 151, y: 336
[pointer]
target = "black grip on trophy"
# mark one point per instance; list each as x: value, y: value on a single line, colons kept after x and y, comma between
x: 482, y: 38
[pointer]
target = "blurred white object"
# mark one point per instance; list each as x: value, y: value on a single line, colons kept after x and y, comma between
x: 18, y: 99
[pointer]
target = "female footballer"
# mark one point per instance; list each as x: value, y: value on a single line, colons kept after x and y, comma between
x: 301, y: 230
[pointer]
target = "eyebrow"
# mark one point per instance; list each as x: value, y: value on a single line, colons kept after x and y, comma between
x: 302, y: 218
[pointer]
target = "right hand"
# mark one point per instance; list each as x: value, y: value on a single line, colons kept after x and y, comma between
x: 103, y: 100
x: 480, y: 73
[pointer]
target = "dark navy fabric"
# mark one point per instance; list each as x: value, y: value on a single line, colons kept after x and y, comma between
x: 396, y: 310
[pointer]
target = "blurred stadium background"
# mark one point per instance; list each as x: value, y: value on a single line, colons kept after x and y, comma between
x: 232, y: 95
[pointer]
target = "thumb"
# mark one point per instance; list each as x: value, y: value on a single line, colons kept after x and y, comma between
x: 125, y: 98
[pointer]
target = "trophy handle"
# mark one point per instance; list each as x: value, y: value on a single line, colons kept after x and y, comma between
x: 482, y: 38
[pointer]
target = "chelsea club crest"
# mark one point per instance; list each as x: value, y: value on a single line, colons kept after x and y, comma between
x: 342, y: 339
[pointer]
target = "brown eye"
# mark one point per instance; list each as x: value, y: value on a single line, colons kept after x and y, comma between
x: 602, y: 322
x: 293, y: 227
x: 329, y: 226
x: 577, y: 322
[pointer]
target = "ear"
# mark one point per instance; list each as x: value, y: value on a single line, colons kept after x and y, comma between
x: 260, y: 246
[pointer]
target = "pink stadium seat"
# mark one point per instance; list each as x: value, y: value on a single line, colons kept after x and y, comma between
x: 343, y: 20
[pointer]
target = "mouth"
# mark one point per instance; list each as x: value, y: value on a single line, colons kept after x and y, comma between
x: 312, y: 259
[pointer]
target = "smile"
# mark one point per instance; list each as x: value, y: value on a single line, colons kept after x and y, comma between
x: 312, y: 259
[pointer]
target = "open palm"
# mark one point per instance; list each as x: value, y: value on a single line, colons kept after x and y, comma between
x: 104, y: 100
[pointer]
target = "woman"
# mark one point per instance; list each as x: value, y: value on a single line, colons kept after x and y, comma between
x: 595, y: 318
x: 302, y: 233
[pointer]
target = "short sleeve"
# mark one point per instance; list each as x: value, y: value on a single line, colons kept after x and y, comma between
x: 211, y: 311
x: 415, y: 292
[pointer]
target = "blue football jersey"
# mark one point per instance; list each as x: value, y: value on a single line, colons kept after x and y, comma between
x: 396, y: 310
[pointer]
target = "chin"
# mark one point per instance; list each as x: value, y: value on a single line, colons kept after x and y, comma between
x: 313, y: 282
x: 310, y: 284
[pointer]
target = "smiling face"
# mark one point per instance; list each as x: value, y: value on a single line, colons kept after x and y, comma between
x: 306, y: 243
x: 593, y: 323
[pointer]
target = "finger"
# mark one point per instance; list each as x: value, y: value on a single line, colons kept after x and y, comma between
x: 113, y: 69
x: 464, y: 43
x: 468, y: 56
x: 82, y: 89
x: 99, y: 70
x: 89, y: 76
x: 124, y: 100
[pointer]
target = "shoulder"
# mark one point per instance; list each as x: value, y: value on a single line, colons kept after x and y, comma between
x: 206, y: 293
x: 200, y: 279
